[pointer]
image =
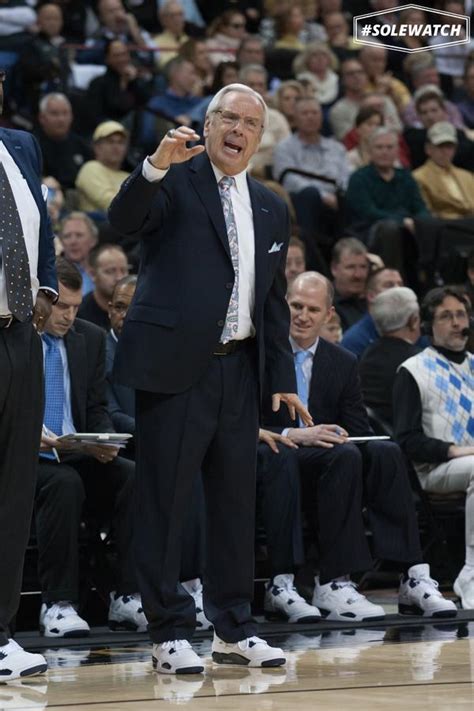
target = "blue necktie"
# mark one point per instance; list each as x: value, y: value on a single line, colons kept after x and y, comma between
x: 54, y: 385
x: 301, y: 382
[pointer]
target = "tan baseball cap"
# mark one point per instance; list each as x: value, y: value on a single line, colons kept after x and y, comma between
x: 108, y: 128
x: 442, y: 132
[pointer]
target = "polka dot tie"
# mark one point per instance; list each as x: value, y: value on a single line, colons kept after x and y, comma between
x: 14, y: 255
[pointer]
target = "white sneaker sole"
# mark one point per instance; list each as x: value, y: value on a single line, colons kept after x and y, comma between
x: 20, y: 674
x: 305, y: 619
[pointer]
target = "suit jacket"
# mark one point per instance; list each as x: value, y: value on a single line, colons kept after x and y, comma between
x: 186, y: 277
x: 121, y: 399
x: 25, y: 151
x: 85, y: 348
x: 334, y: 395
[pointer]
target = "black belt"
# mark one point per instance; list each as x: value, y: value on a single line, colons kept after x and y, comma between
x: 6, y: 321
x: 222, y: 349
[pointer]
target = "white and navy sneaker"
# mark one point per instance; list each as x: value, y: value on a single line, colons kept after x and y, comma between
x: 176, y: 657
x: 340, y: 600
x: 282, y: 600
x: 194, y: 588
x: 126, y: 613
x: 250, y: 652
x: 464, y: 587
x: 15, y: 663
x: 419, y: 595
x: 60, y: 619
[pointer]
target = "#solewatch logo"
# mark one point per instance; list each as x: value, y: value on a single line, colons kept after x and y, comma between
x: 439, y: 29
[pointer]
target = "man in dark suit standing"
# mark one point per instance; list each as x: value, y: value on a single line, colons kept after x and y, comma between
x: 328, y: 382
x: 208, y: 317
x: 27, y: 289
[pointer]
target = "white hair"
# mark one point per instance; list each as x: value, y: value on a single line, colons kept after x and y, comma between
x: 54, y: 96
x: 239, y: 88
x: 393, y: 308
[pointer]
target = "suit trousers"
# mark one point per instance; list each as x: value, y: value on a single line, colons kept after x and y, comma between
x: 212, y: 427
x: 21, y: 407
x: 278, y: 491
x: 61, y: 491
x: 348, y: 477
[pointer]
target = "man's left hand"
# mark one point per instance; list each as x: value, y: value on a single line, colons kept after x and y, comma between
x: 104, y: 453
x: 271, y: 438
x: 294, y: 405
x: 41, y: 312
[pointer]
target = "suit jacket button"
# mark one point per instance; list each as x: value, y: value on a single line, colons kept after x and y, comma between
x: 220, y: 323
x: 229, y: 285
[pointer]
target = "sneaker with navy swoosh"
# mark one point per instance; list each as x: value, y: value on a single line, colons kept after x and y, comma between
x: 176, y: 657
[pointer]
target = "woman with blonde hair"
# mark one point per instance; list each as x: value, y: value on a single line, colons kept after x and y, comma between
x: 285, y: 99
x: 225, y: 34
x: 318, y: 60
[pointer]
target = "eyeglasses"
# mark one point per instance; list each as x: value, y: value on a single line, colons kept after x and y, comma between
x: 228, y: 118
x: 446, y: 316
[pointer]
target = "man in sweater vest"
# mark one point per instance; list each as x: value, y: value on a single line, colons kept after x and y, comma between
x: 434, y: 418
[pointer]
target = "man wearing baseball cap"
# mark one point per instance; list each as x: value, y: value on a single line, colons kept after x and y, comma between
x: 99, y: 180
x: 448, y: 191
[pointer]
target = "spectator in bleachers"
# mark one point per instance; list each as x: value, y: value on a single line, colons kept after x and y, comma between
x: 74, y: 17
x: 361, y: 334
x: 396, y: 317
x: 43, y: 62
x: 354, y: 81
x: 332, y: 330
x: 340, y: 37
x: 465, y: 103
x: 312, y: 168
x: 431, y: 108
x: 195, y: 51
x: 99, y: 180
x: 433, y: 418
x: 116, y: 23
x: 118, y: 92
x: 367, y: 120
x: 423, y: 73
x: 64, y: 151
x: 225, y: 34
x: 285, y: 98
x: 78, y: 236
x: 251, y: 51
x: 192, y: 13
x: 17, y: 22
x: 225, y: 73
x: 448, y: 191
x: 374, y: 61
x: 383, y: 202
x: 173, y: 35
x: 87, y: 477
x: 54, y: 201
x: 318, y: 60
x: 256, y: 77
x: 349, y: 269
x: 295, y: 259
x: 108, y: 264
x: 178, y: 100
x: 328, y: 382
x: 411, y: 16
x: 288, y: 28
x: 450, y: 59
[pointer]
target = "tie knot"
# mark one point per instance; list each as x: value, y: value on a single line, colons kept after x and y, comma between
x: 226, y: 182
x: 51, y: 341
x: 300, y: 356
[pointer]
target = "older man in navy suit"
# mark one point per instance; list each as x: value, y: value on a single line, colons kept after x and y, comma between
x: 28, y: 287
x: 208, y: 318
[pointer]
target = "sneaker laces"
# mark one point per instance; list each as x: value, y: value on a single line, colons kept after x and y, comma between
x: 354, y: 594
x: 288, y: 587
x: 252, y: 642
x: 176, y: 644
x: 433, y: 585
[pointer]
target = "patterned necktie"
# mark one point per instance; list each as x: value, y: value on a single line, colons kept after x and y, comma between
x: 301, y: 382
x: 54, y: 385
x: 232, y: 319
x: 14, y: 255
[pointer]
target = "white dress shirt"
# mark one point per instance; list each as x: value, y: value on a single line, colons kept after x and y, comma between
x: 244, y: 220
x: 30, y: 222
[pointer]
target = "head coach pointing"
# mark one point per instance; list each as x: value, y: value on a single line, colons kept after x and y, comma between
x: 207, y: 320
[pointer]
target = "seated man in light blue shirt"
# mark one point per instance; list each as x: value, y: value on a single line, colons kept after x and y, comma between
x: 78, y: 235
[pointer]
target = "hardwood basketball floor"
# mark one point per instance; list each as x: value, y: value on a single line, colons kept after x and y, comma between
x: 401, y: 667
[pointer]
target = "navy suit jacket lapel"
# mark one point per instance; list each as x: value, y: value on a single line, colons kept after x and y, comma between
x: 16, y: 150
x: 204, y: 182
x: 77, y: 364
x: 320, y: 376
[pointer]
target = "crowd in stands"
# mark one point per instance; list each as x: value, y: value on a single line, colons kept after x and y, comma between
x: 373, y: 151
